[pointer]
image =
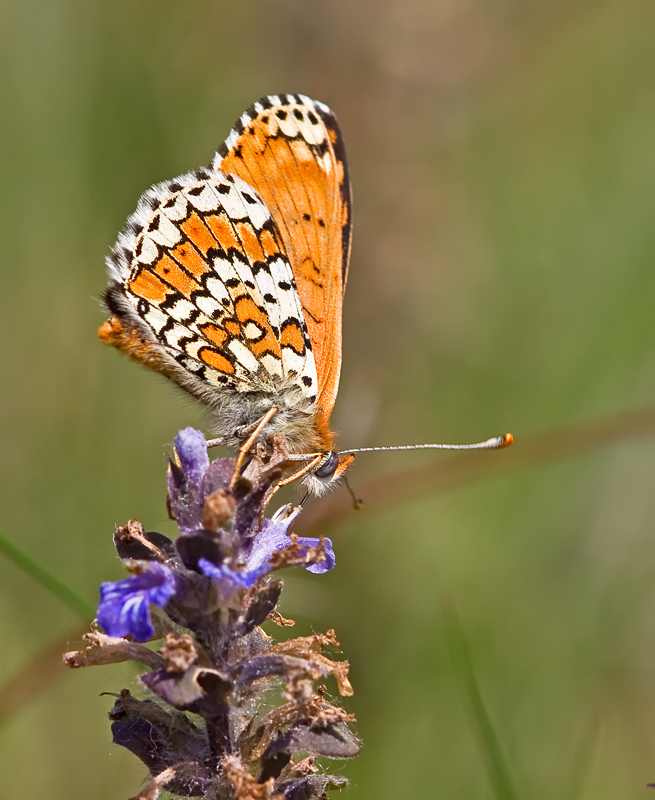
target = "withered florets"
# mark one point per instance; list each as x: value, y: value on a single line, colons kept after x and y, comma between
x: 206, y: 729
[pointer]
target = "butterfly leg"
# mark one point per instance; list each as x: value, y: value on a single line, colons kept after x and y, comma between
x: 245, y: 447
x: 239, y: 433
x: 315, y: 461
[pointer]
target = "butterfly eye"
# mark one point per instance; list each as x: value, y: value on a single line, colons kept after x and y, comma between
x: 328, y: 466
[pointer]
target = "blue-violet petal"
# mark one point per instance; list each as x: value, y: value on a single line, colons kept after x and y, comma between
x: 124, y: 607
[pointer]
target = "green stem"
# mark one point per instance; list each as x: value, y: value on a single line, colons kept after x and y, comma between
x: 498, y: 773
x: 46, y: 578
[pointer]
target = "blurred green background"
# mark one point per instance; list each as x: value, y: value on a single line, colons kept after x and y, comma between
x: 503, y: 162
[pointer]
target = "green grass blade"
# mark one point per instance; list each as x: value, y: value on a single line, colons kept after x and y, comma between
x: 498, y: 774
x: 46, y: 578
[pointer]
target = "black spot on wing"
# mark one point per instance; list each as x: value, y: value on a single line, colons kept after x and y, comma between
x: 191, y: 365
x: 167, y: 328
x: 212, y: 254
x: 330, y: 123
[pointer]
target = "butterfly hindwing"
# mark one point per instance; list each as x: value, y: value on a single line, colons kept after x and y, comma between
x: 289, y: 148
x: 201, y: 271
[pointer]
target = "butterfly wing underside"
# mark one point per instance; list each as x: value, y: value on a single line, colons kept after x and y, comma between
x: 202, y: 291
x: 289, y: 148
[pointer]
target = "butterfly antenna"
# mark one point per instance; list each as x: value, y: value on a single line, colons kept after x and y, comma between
x: 357, y: 501
x: 496, y: 443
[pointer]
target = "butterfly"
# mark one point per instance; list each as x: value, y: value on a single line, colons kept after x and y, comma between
x: 229, y: 281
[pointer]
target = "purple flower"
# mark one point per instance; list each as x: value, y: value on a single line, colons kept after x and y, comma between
x: 269, y: 540
x: 125, y: 605
x: 214, y: 588
x: 273, y: 537
x: 190, y: 483
x: 191, y: 448
x: 230, y: 581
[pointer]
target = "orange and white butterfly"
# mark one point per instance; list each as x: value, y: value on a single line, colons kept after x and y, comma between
x: 229, y: 281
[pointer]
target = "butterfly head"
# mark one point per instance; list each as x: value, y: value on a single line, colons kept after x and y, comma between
x: 328, y: 473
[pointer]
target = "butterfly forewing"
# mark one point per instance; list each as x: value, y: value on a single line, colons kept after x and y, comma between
x: 289, y: 149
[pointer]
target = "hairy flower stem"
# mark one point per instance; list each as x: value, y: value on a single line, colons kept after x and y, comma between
x: 218, y: 732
